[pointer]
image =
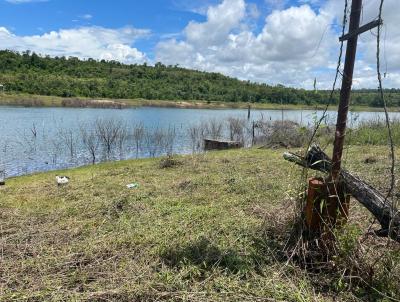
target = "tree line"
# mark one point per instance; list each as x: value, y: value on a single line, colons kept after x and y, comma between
x: 28, y: 72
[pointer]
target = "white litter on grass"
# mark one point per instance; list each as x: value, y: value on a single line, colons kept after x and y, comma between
x: 62, y: 180
x: 132, y: 186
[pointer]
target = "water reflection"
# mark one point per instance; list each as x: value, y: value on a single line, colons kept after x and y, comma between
x: 41, y: 139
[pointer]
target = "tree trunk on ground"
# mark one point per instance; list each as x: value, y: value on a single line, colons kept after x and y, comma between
x: 382, y: 208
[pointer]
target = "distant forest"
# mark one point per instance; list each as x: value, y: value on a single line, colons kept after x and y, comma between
x: 30, y: 73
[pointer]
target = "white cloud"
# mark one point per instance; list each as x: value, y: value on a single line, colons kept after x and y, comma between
x: 221, y: 20
x: 365, y: 70
x: 292, y: 34
x: 84, y: 42
x: 295, y: 45
x: 285, y: 51
x: 195, y: 6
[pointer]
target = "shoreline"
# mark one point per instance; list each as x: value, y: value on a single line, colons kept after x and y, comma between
x: 37, y: 101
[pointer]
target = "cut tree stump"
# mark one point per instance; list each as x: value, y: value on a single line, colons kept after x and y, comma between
x: 381, y: 208
x: 316, y: 194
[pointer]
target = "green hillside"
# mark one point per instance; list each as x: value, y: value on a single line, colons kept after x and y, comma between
x: 70, y: 77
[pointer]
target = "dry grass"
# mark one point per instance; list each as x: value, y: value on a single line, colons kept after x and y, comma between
x: 30, y: 100
x: 209, y: 229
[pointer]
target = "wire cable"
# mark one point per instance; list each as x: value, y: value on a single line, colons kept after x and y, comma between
x: 381, y: 93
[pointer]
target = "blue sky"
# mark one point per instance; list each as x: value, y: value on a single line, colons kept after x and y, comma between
x: 163, y: 17
x: 273, y: 41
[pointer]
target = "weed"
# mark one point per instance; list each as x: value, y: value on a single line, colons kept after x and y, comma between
x: 211, y: 229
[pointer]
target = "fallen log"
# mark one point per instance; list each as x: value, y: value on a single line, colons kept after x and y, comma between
x: 381, y: 207
x: 216, y: 144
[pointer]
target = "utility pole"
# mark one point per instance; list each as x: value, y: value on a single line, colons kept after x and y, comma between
x: 338, y: 205
x: 351, y: 37
x: 335, y: 210
x: 345, y: 91
x: 327, y: 202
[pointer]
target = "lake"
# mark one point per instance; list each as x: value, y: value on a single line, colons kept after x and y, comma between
x: 31, y: 140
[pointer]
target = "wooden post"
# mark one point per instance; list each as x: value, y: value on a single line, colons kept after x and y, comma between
x: 319, y: 211
x: 253, y: 134
x: 337, y: 202
x: 337, y: 208
x: 2, y: 177
x: 345, y: 91
x: 248, y: 111
x: 352, y: 37
x: 316, y: 196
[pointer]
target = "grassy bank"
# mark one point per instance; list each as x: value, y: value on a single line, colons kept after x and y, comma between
x: 27, y: 100
x: 209, y: 228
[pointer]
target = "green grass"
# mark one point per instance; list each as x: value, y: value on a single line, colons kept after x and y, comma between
x: 208, y: 229
x: 375, y: 133
x: 28, y: 100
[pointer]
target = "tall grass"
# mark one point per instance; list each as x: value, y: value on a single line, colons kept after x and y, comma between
x: 374, y: 132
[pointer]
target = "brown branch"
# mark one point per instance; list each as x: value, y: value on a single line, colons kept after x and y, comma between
x: 379, y: 206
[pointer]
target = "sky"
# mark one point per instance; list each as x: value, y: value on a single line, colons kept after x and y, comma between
x: 289, y: 42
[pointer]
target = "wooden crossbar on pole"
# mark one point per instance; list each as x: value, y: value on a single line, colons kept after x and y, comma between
x: 361, y: 29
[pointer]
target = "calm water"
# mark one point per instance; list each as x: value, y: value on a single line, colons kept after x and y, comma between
x: 23, y: 152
